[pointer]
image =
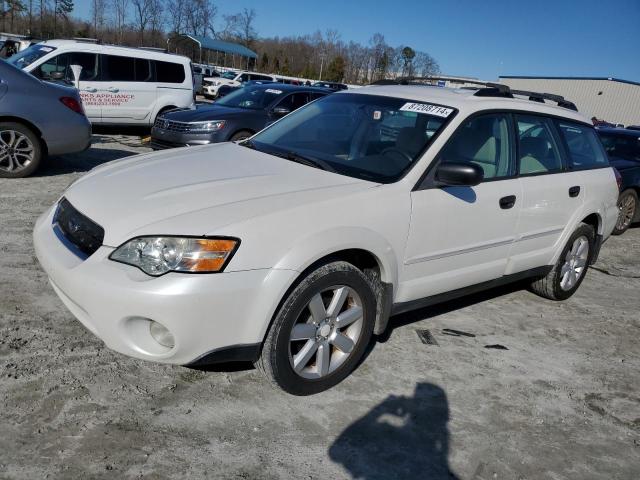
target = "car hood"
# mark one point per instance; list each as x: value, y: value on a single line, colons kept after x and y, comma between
x: 198, y: 190
x: 205, y: 112
x: 623, y: 163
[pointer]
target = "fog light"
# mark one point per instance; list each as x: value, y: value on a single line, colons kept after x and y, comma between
x: 161, y: 335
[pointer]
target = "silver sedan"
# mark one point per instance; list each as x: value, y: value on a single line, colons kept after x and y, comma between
x: 37, y: 119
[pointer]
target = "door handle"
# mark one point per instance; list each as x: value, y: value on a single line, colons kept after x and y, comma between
x: 90, y: 89
x: 113, y: 89
x: 507, y: 202
x: 574, y: 191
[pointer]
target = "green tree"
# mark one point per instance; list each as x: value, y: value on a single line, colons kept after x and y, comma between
x: 408, y: 54
x: 276, y: 65
x: 286, y: 69
x: 309, y: 72
x: 62, y: 8
x: 335, y: 69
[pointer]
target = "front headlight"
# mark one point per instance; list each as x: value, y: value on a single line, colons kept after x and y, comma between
x: 206, y: 126
x: 159, y: 255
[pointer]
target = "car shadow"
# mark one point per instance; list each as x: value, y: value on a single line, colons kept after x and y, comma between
x: 80, y: 162
x: 401, y: 437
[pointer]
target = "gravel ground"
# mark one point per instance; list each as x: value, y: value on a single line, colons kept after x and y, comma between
x: 560, y: 402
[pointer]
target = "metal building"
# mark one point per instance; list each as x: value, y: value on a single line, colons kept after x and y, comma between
x: 609, y: 99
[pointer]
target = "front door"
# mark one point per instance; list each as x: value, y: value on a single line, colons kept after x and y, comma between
x: 89, y: 86
x: 462, y: 236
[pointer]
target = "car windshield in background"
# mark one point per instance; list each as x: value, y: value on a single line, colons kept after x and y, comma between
x: 229, y: 75
x: 370, y: 137
x: 253, y: 98
x: 29, y: 55
x: 622, y: 146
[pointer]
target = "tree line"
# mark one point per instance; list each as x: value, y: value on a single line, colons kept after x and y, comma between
x: 151, y: 22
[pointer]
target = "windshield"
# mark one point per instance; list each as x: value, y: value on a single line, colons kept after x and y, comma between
x: 29, y: 55
x: 229, y: 75
x: 622, y: 146
x: 253, y: 98
x: 365, y: 136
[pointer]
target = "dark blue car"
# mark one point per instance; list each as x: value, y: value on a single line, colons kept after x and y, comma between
x: 235, y: 117
x: 623, y: 147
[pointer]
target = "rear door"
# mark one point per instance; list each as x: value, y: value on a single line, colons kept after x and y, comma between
x: 552, y: 194
x: 126, y: 91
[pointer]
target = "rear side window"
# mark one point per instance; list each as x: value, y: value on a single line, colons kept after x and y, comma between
x: 583, y: 145
x: 118, y: 69
x: 143, y: 70
x: 169, y: 72
x: 538, y: 151
x: 621, y: 146
x: 63, y: 62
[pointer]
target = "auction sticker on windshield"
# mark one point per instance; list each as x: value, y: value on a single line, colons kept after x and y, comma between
x: 427, y: 108
x: 271, y: 90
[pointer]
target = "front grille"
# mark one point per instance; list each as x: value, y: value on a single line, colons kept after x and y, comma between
x: 159, y: 144
x: 76, y: 229
x: 172, y: 125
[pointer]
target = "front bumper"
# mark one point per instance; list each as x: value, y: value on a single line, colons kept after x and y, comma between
x: 163, y: 139
x: 205, y: 312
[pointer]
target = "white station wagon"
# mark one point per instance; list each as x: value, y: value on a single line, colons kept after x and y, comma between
x: 293, y: 248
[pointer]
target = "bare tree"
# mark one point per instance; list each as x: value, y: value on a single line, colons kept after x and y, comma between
x: 176, y: 15
x: 120, y: 8
x: 98, y: 11
x: 199, y: 16
x: 142, y: 13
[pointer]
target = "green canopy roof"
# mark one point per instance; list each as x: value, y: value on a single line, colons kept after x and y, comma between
x: 207, y: 43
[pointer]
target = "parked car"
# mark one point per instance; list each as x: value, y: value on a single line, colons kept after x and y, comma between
x: 225, y: 90
x: 331, y: 85
x: 623, y: 147
x: 633, y: 127
x: 232, y: 79
x: 291, y: 249
x: 234, y: 117
x: 200, y: 72
x: 37, y: 119
x: 10, y: 44
x: 118, y: 85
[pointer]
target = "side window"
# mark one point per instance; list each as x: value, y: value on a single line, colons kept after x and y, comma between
x: 244, y: 77
x: 295, y: 101
x: 168, y: 72
x: 316, y: 95
x: 537, y: 149
x: 585, y: 149
x: 88, y: 62
x: 56, y: 64
x: 484, y: 141
x: 118, y: 69
x: 143, y: 70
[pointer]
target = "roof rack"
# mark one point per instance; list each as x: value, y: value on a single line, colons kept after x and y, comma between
x: 487, y: 89
x: 85, y: 40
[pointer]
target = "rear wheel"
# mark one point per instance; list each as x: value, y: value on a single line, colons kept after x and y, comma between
x: 569, y: 271
x: 20, y: 150
x: 627, y: 207
x: 321, y: 331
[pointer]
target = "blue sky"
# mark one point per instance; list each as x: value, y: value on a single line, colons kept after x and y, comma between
x: 480, y: 38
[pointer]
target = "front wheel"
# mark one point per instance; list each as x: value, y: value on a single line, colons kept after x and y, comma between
x: 20, y: 150
x: 321, y: 331
x: 627, y: 207
x: 569, y: 271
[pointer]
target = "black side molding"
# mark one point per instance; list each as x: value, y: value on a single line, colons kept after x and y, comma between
x: 461, y: 292
x: 235, y: 353
x: 597, y: 244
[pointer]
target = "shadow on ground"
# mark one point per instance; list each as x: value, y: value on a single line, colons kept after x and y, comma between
x: 402, y: 437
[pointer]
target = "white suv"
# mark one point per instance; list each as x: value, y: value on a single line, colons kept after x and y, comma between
x: 210, y: 86
x: 293, y: 248
x: 118, y: 85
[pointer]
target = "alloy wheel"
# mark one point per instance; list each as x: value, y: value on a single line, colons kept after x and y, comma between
x: 627, y: 210
x: 575, y: 263
x: 326, y: 332
x: 16, y: 151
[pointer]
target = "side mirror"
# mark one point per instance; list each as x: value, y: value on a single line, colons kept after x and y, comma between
x: 458, y: 174
x: 77, y: 70
x: 56, y: 75
x: 280, y: 112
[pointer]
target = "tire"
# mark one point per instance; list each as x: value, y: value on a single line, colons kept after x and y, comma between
x: 21, y: 151
x: 628, y: 209
x: 319, y: 333
x: 556, y: 285
x: 241, y: 135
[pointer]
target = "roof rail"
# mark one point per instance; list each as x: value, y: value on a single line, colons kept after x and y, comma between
x: 487, y: 89
x: 86, y: 40
x: 154, y: 49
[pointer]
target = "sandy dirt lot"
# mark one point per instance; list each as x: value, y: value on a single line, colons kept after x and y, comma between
x: 561, y: 402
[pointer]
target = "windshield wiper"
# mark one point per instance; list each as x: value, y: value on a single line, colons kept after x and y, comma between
x: 310, y: 162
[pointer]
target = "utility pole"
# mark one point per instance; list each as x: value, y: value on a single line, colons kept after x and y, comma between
x: 322, y: 57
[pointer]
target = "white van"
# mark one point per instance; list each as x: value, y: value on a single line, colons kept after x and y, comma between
x: 210, y: 86
x: 118, y: 85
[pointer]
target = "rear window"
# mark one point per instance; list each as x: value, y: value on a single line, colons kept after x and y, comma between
x: 169, y: 72
x: 621, y: 146
x: 583, y: 145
